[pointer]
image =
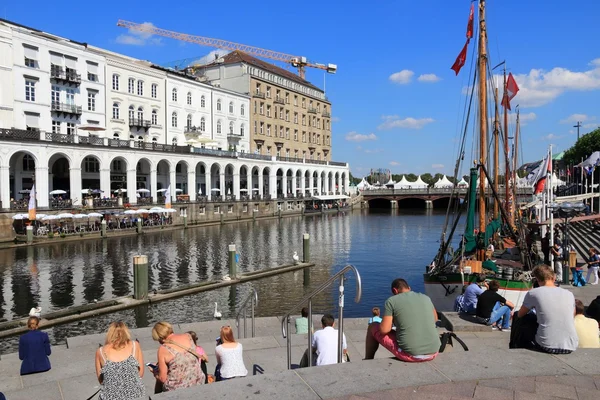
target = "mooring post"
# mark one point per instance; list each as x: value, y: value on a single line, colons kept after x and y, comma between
x: 279, y: 213
x: 139, y: 226
x: 232, y: 263
x: 29, y: 234
x: 140, y: 277
x: 222, y: 218
x: 254, y: 213
x: 306, y: 257
x: 103, y: 228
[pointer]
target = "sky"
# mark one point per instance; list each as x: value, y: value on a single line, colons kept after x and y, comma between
x: 396, y: 104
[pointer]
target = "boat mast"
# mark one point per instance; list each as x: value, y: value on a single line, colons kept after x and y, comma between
x: 496, y: 151
x: 482, y: 62
x: 515, y: 166
x: 506, y: 152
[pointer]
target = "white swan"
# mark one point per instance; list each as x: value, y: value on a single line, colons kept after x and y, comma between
x: 36, y: 312
x: 296, y: 258
x: 217, y: 313
x: 226, y: 278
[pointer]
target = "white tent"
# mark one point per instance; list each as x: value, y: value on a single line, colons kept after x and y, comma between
x: 462, y: 183
x: 443, y: 182
x: 363, y: 185
x: 402, y: 184
x: 390, y: 182
x: 419, y: 184
x: 591, y: 161
x: 556, y: 182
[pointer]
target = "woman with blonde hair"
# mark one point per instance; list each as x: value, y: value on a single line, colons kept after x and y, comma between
x: 119, y: 365
x: 178, y: 363
x: 230, y: 357
x: 34, y: 349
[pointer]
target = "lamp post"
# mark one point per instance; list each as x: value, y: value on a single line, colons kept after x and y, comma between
x: 566, y: 211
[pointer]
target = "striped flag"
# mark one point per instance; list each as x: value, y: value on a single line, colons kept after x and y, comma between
x: 32, y: 204
x: 168, y: 197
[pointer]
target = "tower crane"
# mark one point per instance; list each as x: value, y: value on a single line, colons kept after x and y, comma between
x: 296, y: 61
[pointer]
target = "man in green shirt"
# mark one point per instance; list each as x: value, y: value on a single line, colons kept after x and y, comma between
x: 416, y: 338
x: 302, y: 322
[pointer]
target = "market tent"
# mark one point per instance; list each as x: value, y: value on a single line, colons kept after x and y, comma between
x: 363, y: 185
x: 402, y: 184
x: 390, y: 182
x: 419, y: 184
x: 443, y: 182
x: 462, y: 183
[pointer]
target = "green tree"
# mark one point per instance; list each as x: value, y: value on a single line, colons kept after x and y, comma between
x: 411, y: 177
x: 354, y: 180
x: 585, y: 146
x: 427, y: 178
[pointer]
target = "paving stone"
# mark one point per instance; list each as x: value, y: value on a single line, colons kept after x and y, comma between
x: 80, y: 387
x: 485, y: 392
x: 557, y: 390
x: 65, y: 371
x: 46, y: 391
x: 10, y: 383
x: 579, y: 381
x: 269, y: 361
x: 587, y: 394
x: 522, y: 384
x: 465, y: 389
x: 78, y: 341
x: 586, y: 361
x: 534, y: 396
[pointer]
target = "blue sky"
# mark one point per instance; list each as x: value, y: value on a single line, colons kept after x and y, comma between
x: 403, y: 123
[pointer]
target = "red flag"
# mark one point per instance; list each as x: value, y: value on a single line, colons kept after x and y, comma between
x: 470, y: 23
x: 543, y: 174
x: 511, y: 91
x: 568, y: 171
x: 460, y: 60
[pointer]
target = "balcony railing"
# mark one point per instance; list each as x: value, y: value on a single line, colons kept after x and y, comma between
x: 70, y: 76
x: 93, y: 140
x: 258, y: 94
x: 321, y: 162
x: 217, y: 153
x: 19, y: 134
x: 61, y: 204
x: 326, y: 114
x: 191, y: 129
x: 60, y: 137
x: 312, y: 110
x: 66, y: 108
x: 139, y: 123
x: 118, y: 143
x: 279, y: 100
x: 337, y: 163
x: 253, y: 156
x: 289, y: 159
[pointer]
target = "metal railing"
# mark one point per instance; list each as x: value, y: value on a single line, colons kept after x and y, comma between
x: 285, y: 320
x: 253, y: 299
x: 66, y: 108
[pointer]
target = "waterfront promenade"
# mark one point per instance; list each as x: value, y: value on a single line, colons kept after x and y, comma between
x: 488, y: 371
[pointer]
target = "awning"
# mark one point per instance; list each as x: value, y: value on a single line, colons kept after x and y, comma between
x: 331, y: 197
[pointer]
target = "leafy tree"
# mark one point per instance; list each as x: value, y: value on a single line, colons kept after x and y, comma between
x: 427, y: 178
x: 354, y: 180
x: 585, y: 146
x: 411, y: 177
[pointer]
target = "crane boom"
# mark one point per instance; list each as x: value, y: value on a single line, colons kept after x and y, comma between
x: 296, y: 61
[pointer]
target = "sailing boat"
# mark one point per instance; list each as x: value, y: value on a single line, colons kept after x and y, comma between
x: 451, y: 270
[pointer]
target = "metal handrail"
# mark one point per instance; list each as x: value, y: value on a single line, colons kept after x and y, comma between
x: 254, y: 297
x: 285, y: 320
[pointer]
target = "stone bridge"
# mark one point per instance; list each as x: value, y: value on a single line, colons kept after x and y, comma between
x: 426, y: 198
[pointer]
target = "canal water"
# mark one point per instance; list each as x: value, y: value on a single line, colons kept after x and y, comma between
x: 382, y: 244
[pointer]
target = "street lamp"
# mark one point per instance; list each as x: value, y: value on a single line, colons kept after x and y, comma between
x: 567, y: 210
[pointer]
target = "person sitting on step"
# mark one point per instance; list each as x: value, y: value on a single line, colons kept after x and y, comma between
x: 325, y: 344
x: 34, y: 349
x: 472, y: 293
x: 586, y: 328
x: 493, y: 309
x: 376, y: 315
x: 302, y: 322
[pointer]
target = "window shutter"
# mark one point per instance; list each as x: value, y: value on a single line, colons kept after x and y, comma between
x: 32, y: 120
x: 70, y: 62
x: 56, y: 59
x: 31, y: 52
x: 92, y: 68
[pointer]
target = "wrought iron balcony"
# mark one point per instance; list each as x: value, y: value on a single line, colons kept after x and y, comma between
x: 258, y: 94
x: 67, y: 109
x: 279, y: 100
x: 312, y: 110
x: 69, y: 75
x: 326, y: 114
x: 191, y: 129
x: 139, y: 123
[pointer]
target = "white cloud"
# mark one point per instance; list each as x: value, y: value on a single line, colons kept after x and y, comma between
x: 394, y: 163
x: 373, y: 151
x: 140, y: 38
x: 574, y: 118
x: 524, y: 118
x: 335, y: 119
x: 403, y: 77
x: 429, y: 78
x: 210, y: 57
x: 552, y: 136
x: 592, y: 125
x: 437, y: 166
x: 359, y: 137
x: 394, y: 121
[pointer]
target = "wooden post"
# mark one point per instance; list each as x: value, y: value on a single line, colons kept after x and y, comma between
x: 140, y: 277
x: 103, y: 228
x: 29, y: 234
x: 306, y: 257
x: 138, y: 229
x: 496, y: 153
x: 254, y: 213
x: 482, y: 119
x: 232, y: 263
x: 222, y: 216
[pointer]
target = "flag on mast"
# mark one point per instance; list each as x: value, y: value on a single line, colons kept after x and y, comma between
x: 537, y: 177
x: 470, y: 23
x: 511, y: 91
x: 32, y: 203
x: 168, y: 197
x: 462, y: 56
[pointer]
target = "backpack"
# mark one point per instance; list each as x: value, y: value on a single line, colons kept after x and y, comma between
x: 446, y: 339
x: 459, y: 304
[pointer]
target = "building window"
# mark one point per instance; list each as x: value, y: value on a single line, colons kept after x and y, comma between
x: 131, y: 112
x: 295, y: 117
x: 115, y: 82
x: 242, y: 110
x: 218, y: 126
x: 202, y: 124
x: 287, y: 133
x: 268, y: 110
x: 268, y: 150
x: 219, y: 105
x: 269, y: 92
x: 70, y: 128
x: 303, y: 102
x: 115, y: 111
x: 262, y: 108
x: 91, y: 101
x: 70, y: 93
x: 255, y: 127
x: 29, y: 62
x: 303, y: 136
x: 281, y: 113
x: 287, y: 115
x: 55, y: 95
x: 92, y: 77
x: 255, y: 106
x: 154, y: 117
x: 140, y: 114
x: 189, y: 121
x: 30, y: 90
x: 174, y: 117
x: 296, y: 135
x: 91, y: 164
x: 262, y: 126
x: 56, y: 126
x: 231, y: 128
x: 153, y: 90
x: 231, y: 107
x: 131, y: 86
x: 268, y: 130
x: 278, y: 154
x: 296, y: 100
x: 140, y: 88
x: 174, y: 95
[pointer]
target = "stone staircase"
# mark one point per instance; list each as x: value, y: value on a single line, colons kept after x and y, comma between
x: 73, y: 376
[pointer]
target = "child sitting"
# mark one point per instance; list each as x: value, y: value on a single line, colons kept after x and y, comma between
x: 375, y: 318
x: 203, y: 357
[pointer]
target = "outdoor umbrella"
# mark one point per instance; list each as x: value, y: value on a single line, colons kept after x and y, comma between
x: 20, y: 216
x: 143, y: 190
x: 57, y: 191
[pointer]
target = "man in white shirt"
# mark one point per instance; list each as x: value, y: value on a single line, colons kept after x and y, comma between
x: 325, y: 344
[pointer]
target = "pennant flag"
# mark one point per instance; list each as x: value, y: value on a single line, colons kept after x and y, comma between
x: 511, y: 91
x: 32, y: 204
x: 460, y: 60
x: 470, y: 23
x: 168, y: 197
x: 537, y: 177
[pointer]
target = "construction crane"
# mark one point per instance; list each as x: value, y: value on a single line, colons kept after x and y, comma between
x: 298, y: 62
